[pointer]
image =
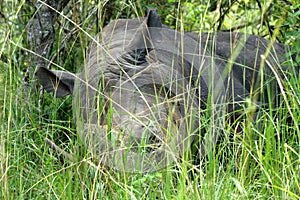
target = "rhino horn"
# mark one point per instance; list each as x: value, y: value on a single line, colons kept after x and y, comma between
x: 60, y: 82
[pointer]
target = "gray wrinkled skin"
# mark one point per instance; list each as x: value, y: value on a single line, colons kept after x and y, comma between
x: 138, y: 98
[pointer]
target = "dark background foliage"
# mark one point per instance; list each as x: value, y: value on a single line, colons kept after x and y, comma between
x: 63, y: 29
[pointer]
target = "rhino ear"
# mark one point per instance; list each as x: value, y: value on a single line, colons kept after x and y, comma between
x: 144, y: 39
x: 61, y: 82
x: 153, y: 19
x: 147, y: 33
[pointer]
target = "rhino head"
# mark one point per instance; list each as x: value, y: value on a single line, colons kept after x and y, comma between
x: 138, y: 97
x: 125, y: 101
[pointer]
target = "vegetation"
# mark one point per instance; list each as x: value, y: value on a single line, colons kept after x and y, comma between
x: 261, y: 163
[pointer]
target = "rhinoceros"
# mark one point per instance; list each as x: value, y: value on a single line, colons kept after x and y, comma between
x: 139, y: 95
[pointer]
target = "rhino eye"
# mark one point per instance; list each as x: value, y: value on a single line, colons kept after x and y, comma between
x: 153, y: 143
x: 136, y: 56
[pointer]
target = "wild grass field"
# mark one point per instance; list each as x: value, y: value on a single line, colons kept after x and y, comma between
x: 261, y: 162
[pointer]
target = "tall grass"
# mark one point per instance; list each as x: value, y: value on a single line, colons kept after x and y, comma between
x: 261, y: 162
